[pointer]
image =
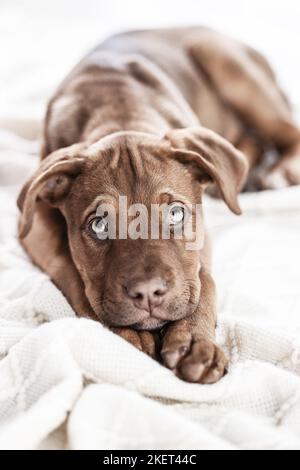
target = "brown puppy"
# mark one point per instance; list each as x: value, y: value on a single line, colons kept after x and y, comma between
x: 152, y: 116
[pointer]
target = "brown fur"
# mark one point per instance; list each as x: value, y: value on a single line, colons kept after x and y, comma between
x: 153, y: 115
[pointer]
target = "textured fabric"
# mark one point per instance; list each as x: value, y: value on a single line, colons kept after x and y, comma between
x: 70, y: 383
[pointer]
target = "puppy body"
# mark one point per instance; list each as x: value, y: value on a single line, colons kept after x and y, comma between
x: 142, y: 81
x: 155, y: 116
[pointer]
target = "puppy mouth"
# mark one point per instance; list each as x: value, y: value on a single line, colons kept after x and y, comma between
x: 150, y: 324
x: 140, y: 319
x: 144, y: 322
x: 156, y: 322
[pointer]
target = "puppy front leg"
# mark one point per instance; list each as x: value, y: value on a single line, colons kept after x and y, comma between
x: 145, y: 341
x: 189, y: 347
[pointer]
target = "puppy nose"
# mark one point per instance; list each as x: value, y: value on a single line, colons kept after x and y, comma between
x: 147, y: 294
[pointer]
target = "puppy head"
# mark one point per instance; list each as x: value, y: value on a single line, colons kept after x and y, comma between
x: 139, y: 281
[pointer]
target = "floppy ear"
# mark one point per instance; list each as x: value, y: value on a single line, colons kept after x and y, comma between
x: 211, y: 158
x: 50, y: 183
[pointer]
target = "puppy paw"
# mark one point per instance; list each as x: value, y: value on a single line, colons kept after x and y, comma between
x: 145, y: 341
x: 286, y: 174
x: 200, y: 361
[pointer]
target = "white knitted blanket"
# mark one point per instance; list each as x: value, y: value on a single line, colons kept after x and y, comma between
x: 70, y: 383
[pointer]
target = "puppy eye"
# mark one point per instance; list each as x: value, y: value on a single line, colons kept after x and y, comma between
x: 176, y: 214
x: 99, y: 227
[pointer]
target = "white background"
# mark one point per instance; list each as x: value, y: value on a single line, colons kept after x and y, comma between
x: 40, y: 40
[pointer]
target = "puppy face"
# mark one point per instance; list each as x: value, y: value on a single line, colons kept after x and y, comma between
x: 141, y: 282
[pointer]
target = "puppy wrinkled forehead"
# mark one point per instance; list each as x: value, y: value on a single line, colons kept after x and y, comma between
x: 130, y: 154
x: 123, y: 140
x: 132, y: 164
x: 133, y: 153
